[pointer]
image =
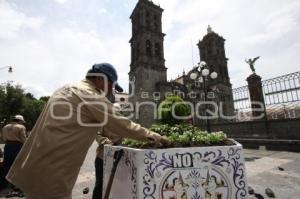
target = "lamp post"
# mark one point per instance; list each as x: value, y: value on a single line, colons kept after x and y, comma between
x: 10, y: 69
x: 202, y: 75
x: 156, y: 98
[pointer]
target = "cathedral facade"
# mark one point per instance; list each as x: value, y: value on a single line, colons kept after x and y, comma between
x: 148, y: 74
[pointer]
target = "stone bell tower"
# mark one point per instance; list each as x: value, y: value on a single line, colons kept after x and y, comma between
x: 147, y: 66
x: 212, y: 51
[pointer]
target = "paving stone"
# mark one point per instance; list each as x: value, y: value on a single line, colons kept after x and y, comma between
x: 270, y: 193
x: 258, y: 196
x: 281, y: 169
x: 250, y: 190
x: 86, y: 190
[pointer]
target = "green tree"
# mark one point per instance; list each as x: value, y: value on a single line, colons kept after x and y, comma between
x: 44, y: 98
x: 13, y: 100
x: 180, y: 109
x: 31, y: 110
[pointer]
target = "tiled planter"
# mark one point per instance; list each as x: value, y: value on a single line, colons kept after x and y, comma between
x: 178, y: 173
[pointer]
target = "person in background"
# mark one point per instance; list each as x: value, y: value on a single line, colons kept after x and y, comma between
x: 14, y: 136
x: 49, y: 163
x: 103, y: 137
x: 101, y: 141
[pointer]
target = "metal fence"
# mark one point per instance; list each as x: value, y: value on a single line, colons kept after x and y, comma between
x: 281, y: 94
x: 241, y: 98
x: 283, y: 89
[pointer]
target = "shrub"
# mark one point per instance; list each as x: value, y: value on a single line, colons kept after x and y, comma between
x: 180, y: 109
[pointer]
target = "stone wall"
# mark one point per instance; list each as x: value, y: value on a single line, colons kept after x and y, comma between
x: 278, y: 135
x: 270, y: 144
x: 271, y: 129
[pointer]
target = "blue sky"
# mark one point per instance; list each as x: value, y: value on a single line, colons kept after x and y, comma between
x: 53, y: 42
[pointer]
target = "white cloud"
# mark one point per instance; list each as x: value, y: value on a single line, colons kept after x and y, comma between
x: 55, y: 57
x: 102, y: 11
x: 60, y: 1
x: 61, y: 57
x: 12, y: 21
x: 276, y: 25
x: 43, y: 64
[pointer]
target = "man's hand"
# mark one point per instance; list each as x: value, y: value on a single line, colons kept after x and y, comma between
x: 158, y: 139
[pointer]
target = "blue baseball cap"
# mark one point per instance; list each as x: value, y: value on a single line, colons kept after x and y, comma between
x: 109, y: 71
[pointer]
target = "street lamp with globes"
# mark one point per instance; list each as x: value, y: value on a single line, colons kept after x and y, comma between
x: 10, y: 70
x: 202, y: 75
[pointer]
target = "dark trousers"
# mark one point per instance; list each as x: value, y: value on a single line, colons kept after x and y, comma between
x: 11, y: 151
x: 97, y: 193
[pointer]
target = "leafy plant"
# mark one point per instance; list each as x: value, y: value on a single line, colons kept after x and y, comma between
x: 182, y: 135
x: 173, y: 106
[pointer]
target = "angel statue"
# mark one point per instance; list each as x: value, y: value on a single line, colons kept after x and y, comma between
x: 251, y: 63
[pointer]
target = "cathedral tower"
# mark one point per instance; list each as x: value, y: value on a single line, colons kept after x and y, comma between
x: 147, y: 66
x: 212, y: 51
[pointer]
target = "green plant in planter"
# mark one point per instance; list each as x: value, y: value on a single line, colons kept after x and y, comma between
x: 182, y: 135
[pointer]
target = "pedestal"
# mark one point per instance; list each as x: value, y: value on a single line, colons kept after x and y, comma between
x: 256, y: 97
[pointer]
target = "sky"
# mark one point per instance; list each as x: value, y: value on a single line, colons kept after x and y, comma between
x: 50, y: 43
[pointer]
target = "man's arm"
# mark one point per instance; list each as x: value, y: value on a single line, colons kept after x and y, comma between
x: 100, y: 107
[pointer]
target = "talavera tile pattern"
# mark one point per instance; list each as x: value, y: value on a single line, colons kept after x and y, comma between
x: 178, y: 173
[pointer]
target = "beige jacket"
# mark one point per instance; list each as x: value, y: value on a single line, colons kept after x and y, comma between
x: 14, y: 132
x: 105, y: 137
x: 49, y: 162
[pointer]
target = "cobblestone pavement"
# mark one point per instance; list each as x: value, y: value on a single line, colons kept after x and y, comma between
x: 279, y: 171
x: 262, y: 171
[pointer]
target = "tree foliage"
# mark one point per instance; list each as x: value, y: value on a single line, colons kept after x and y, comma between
x: 172, y: 107
x: 14, y: 100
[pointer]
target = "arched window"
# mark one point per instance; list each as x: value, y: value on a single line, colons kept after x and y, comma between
x: 147, y: 14
x: 148, y: 23
x: 148, y: 19
x: 156, y: 26
x: 221, y: 69
x: 156, y: 22
x: 209, y: 51
x: 157, y: 49
x: 148, y: 47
